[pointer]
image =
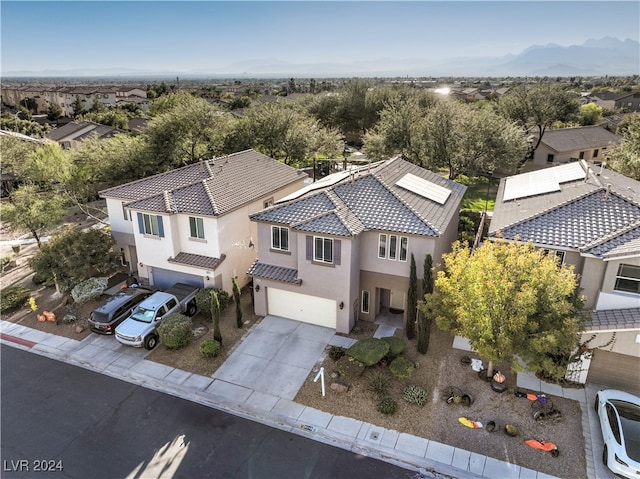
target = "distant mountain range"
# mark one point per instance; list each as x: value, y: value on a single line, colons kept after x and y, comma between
x: 606, y: 56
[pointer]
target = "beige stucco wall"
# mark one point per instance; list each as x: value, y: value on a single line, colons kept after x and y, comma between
x: 625, y: 341
x: 591, y: 280
x: 541, y: 153
x: 375, y: 281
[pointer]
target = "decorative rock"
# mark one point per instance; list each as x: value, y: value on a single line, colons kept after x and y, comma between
x: 335, y: 375
x: 339, y: 387
x: 79, y: 328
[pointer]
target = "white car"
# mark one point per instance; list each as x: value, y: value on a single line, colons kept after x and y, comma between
x: 619, y: 414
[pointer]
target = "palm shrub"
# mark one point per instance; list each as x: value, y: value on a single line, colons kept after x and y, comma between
x: 13, y: 297
x: 210, y: 348
x: 336, y: 352
x: 378, y: 383
x: 236, y: 297
x: 176, y: 331
x: 214, y: 304
x: 401, y: 368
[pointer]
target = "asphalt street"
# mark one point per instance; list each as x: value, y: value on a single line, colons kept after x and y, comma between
x: 63, y: 421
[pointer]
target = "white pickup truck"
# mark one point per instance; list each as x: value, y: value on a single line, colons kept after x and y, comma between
x: 141, y: 327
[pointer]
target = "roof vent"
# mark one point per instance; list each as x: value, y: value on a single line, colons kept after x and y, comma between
x: 607, y: 193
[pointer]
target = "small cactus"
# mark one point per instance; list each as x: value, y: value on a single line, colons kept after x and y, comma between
x: 415, y: 394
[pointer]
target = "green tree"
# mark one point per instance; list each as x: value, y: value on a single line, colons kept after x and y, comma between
x: 513, y: 302
x: 469, y: 141
x: 538, y: 107
x: 54, y: 112
x: 236, y: 298
x: 625, y: 157
x: 189, y: 131
x: 425, y: 312
x: 77, y: 106
x: 74, y: 255
x: 590, y: 114
x: 32, y: 210
x: 412, y: 301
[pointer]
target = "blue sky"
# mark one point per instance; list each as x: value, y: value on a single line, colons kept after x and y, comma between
x: 205, y: 35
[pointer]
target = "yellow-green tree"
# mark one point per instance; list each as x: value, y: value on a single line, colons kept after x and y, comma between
x: 513, y: 302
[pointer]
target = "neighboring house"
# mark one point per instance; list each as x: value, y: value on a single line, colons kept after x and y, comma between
x: 340, y: 249
x: 627, y: 101
x: 590, y: 218
x: 570, y: 144
x: 192, y: 224
x: 73, y: 133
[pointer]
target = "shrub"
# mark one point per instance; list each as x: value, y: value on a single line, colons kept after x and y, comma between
x: 13, y: 297
x: 88, y: 289
x: 401, y: 368
x: 176, y: 331
x: 369, y: 351
x: 5, y: 263
x: 39, y: 278
x: 336, y: 352
x: 349, y: 367
x: 396, y: 346
x: 378, y: 383
x: 388, y: 406
x: 415, y: 394
x: 203, y: 299
x: 209, y: 348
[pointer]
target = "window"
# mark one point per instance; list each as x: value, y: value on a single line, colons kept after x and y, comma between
x: 403, y: 248
x: 268, y: 203
x: 124, y: 212
x: 197, y: 227
x: 628, y: 279
x: 365, y: 301
x: 582, y: 155
x: 280, y: 238
x: 322, y: 249
x: 150, y: 225
x: 595, y: 153
x: 382, y: 246
x: 393, y: 246
x: 557, y: 254
x: 549, y: 158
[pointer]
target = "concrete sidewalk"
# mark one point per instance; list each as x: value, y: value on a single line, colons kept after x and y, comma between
x: 258, y: 382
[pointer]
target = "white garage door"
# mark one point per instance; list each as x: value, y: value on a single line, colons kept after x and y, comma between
x: 302, y: 307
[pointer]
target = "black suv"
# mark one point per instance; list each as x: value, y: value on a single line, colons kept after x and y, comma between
x: 116, y: 309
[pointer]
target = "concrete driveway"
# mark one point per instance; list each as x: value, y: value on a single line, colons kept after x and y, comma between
x: 276, y: 356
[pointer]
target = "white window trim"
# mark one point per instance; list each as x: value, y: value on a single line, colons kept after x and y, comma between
x: 198, y: 232
x: 406, y: 248
x: 125, y: 213
x: 556, y: 253
x: 280, y: 229
x: 151, y: 219
x: 362, y: 310
x: 384, y: 253
x: 393, y: 250
x: 315, y: 256
x: 628, y: 278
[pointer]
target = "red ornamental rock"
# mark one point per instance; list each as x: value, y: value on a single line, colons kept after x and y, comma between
x: 339, y: 388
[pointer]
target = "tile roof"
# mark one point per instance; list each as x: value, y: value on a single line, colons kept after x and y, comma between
x: 277, y: 273
x: 71, y: 131
x: 579, y: 138
x: 599, y: 215
x: 211, y: 187
x: 368, y: 200
x: 615, y: 319
x: 197, y: 260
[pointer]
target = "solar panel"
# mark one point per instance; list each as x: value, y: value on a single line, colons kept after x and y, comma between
x: 569, y: 172
x: 424, y: 188
x: 541, y: 181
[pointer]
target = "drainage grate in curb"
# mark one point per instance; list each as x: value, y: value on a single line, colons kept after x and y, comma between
x: 308, y: 427
x: 374, y: 436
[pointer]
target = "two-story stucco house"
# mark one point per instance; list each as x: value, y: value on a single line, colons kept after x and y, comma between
x: 590, y: 218
x: 340, y: 249
x: 192, y: 224
x: 571, y: 144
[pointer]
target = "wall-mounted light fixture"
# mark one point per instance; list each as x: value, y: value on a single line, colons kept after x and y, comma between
x: 250, y: 243
x: 207, y: 278
x: 257, y: 288
x: 140, y: 264
x: 341, y: 304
